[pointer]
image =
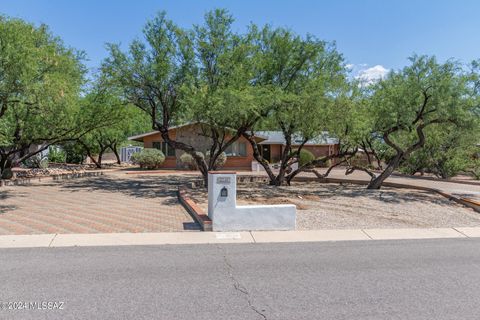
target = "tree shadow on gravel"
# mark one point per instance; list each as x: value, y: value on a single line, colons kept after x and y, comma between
x: 317, y: 191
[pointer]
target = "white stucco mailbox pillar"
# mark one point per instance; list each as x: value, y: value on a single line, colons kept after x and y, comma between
x: 227, y: 216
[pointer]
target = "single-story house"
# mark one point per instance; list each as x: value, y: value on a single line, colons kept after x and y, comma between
x: 240, y: 153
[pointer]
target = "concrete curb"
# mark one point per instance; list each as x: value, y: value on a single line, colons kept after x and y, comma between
x: 133, y: 239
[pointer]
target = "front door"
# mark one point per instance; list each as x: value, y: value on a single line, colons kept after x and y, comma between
x: 266, y: 152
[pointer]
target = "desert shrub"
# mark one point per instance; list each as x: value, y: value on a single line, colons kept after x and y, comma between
x: 56, y: 155
x: 188, y: 161
x: 327, y: 164
x: 148, y: 158
x: 6, y: 174
x: 74, y: 152
x: 474, y: 168
x: 305, y: 157
x: 221, y: 159
x: 36, y: 162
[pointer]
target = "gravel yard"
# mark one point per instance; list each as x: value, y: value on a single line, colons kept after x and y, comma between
x: 347, y: 206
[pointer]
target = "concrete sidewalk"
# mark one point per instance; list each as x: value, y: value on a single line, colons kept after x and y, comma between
x: 129, y: 239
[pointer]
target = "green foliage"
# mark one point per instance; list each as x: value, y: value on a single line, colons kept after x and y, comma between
x: 188, y: 160
x: 56, y: 155
x: 305, y: 76
x: 148, y: 158
x: 272, y: 78
x: 422, y: 94
x: 219, y: 161
x: 74, y: 152
x: 305, y: 157
x: 448, y: 151
x: 115, y: 123
x: 408, y: 103
x: 151, y: 74
x: 6, y: 174
x: 40, y: 83
x: 474, y: 168
x: 225, y: 66
x: 36, y: 162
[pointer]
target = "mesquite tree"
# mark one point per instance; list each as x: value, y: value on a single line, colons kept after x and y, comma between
x: 40, y: 80
x: 306, y: 76
x: 406, y: 103
x: 222, y: 96
x: 152, y: 74
x: 179, y: 76
x: 121, y: 121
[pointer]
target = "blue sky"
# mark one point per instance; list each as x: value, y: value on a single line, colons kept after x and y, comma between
x: 373, y: 35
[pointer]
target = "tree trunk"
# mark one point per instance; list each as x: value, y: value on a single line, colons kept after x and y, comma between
x: 365, y: 149
x: 346, y: 155
x: 259, y: 158
x: 377, y: 182
x: 3, y: 162
x: 98, y: 165
x: 280, y: 178
x: 200, y: 161
x: 115, y: 151
x: 5, y: 168
x: 99, y: 162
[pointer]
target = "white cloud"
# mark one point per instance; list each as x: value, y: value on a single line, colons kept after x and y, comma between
x: 373, y: 74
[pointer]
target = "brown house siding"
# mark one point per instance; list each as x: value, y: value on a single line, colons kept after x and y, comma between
x: 275, y: 152
x: 193, y: 135
x: 321, y: 151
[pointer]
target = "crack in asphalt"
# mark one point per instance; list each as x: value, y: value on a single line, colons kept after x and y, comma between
x: 239, y: 287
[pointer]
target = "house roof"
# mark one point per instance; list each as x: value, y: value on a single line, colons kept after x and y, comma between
x: 140, y: 137
x: 276, y: 137
x: 268, y: 137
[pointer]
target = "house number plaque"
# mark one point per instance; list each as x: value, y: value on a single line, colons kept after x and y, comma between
x: 223, y: 180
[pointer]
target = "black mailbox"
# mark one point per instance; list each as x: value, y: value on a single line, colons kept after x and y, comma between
x: 224, y: 192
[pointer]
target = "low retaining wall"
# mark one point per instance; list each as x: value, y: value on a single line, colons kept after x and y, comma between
x: 280, y: 217
x: 194, y: 210
x: 56, y: 177
x: 226, y: 215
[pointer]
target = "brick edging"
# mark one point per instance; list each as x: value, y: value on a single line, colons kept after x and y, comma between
x: 194, y: 210
x: 55, y: 177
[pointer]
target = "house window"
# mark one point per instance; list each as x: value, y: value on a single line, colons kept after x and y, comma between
x: 166, y: 149
x: 237, y: 149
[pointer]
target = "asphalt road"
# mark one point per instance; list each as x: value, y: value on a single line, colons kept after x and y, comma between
x: 435, y: 279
